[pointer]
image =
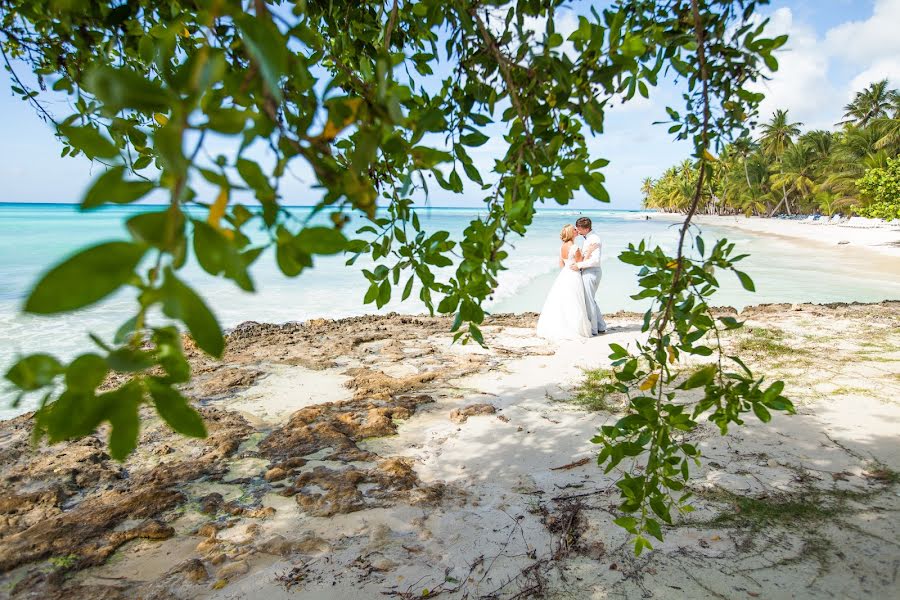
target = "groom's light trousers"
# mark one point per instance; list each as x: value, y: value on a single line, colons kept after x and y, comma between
x: 591, y: 280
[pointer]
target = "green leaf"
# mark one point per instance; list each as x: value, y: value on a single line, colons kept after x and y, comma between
x: 175, y: 410
x: 321, y: 240
x: 699, y: 378
x: 121, y: 409
x: 617, y: 351
x: 745, y: 281
x: 640, y: 544
x: 267, y: 47
x: 629, y: 524
x: 34, y: 372
x: 654, y: 529
x: 760, y: 411
x: 731, y: 322
x: 169, y: 144
x: 163, y: 229
x: 123, y: 88
x: 407, y: 290
x: 633, y: 46
x: 290, y: 259
x: 182, y: 303
x: 473, y: 138
x: 371, y: 294
x: 476, y: 334
x: 86, y: 373
x: 90, y: 141
x: 112, y: 186
x: 593, y: 115
x: 170, y: 355
x: 425, y: 157
x: 773, y: 391
x: 595, y: 188
x: 661, y: 510
x: 384, y: 293
x: 229, y: 121
x: 743, y: 366
x: 85, y: 278
x: 129, y: 360
x: 216, y: 254
x: 256, y: 179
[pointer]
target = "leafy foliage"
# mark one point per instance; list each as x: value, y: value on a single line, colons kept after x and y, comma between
x: 665, y: 404
x: 882, y: 187
x: 350, y: 93
x: 784, y: 170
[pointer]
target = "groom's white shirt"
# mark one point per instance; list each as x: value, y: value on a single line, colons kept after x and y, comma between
x: 593, y: 261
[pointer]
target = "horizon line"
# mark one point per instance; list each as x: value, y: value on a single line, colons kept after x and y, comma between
x: 113, y: 205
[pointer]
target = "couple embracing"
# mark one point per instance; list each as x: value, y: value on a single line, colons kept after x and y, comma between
x: 571, y: 310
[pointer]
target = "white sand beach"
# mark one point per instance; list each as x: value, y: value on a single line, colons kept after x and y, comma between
x: 857, y: 233
x: 371, y: 458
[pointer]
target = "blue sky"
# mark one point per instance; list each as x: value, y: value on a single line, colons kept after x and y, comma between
x: 836, y: 48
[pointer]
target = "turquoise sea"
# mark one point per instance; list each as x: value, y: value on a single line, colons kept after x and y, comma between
x: 33, y: 236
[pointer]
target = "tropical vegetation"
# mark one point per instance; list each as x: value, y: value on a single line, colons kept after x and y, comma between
x: 785, y: 170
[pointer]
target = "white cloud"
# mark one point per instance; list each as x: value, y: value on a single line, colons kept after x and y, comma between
x: 801, y: 84
x: 885, y: 68
x: 805, y: 81
x: 864, y: 42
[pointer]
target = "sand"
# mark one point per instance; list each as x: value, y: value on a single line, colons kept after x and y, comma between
x: 394, y: 494
x: 867, y: 234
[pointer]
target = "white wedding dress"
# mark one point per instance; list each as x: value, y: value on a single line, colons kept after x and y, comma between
x: 565, y: 314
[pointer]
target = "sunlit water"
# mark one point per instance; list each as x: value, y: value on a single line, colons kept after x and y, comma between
x: 35, y: 236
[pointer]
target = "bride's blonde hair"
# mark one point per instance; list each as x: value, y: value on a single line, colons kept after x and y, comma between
x: 567, y: 234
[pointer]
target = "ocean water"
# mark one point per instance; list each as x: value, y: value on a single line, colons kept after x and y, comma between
x: 32, y: 237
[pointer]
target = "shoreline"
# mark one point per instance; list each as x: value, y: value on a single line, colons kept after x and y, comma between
x: 883, y: 239
x: 369, y: 457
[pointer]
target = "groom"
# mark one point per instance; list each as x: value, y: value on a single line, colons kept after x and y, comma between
x: 590, y: 273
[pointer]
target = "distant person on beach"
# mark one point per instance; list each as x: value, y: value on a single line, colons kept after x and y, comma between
x: 571, y: 310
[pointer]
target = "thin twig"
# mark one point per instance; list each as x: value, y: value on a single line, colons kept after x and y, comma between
x: 18, y: 81
x: 390, y: 27
x: 491, y: 44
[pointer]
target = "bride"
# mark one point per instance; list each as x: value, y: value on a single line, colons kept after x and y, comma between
x: 565, y: 314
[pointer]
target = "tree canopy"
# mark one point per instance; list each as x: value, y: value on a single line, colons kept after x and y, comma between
x: 372, y: 98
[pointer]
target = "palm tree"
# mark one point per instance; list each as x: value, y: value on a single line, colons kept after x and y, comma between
x: 777, y: 135
x: 797, y: 172
x: 820, y: 142
x: 895, y: 104
x: 647, y: 187
x: 743, y: 146
x: 889, y: 127
x: 871, y: 103
x: 890, y: 133
x: 854, y: 152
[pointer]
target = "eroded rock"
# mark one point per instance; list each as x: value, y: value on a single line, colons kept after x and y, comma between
x: 461, y: 415
x: 233, y: 570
